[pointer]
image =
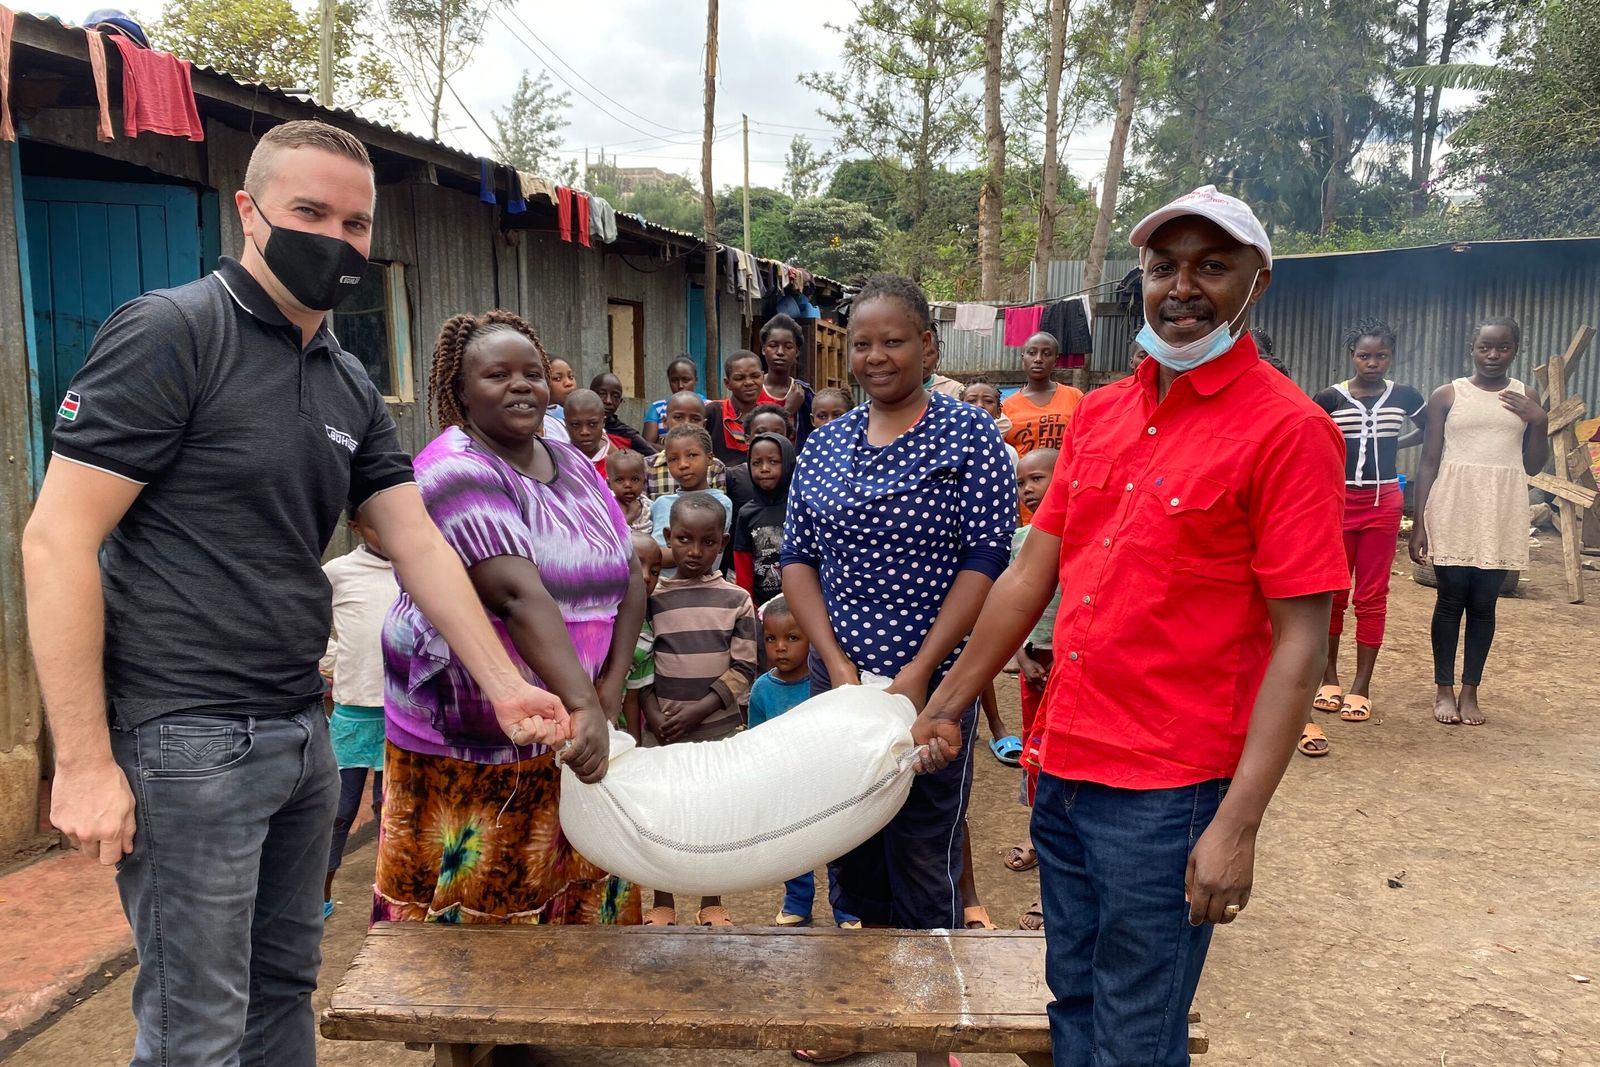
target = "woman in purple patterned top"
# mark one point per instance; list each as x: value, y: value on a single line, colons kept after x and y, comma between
x: 471, y: 830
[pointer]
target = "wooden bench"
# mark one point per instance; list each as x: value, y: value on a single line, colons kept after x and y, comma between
x: 466, y: 989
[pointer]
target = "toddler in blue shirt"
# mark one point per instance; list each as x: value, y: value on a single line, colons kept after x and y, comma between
x: 781, y: 688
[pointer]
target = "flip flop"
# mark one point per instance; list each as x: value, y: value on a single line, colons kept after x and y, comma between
x: 979, y: 915
x: 716, y: 915
x: 789, y: 918
x: 1309, y: 736
x: 1021, y: 858
x: 1353, y: 712
x: 662, y: 916
x: 1328, y: 698
x: 1008, y: 750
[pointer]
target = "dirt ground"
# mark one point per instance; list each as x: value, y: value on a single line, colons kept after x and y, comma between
x: 1476, y: 959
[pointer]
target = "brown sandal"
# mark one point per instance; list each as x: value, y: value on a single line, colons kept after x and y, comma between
x: 662, y: 916
x: 977, y: 918
x: 716, y: 915
x: 1353, y: 712
x: 1328, y: 698
x: 1021, y: 858
x: 1311, y: 736
x: 1033, y: 918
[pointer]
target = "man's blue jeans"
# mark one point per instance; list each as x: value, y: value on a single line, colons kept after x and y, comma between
x: 224, y: 885
x: 1121, y: 959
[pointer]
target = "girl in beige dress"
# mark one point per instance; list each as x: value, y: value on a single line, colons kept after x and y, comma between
x: 1484, y: 435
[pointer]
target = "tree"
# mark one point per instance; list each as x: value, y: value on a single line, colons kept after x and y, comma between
x: 1132, y: 63
x: 270, y: 43
x: 1529, y: 144
x: 803, y: 169
x: 431, y: 41
x: 1465, y: 23
x: 901, y: 98
x: 837, y: 238
x: 527, y: 130
x: 769, y: 219
x: 991, y: 202
x: 1055, y: 60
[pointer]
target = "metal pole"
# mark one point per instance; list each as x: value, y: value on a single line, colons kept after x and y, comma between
x: 746, y: 182
x: 708, y: 200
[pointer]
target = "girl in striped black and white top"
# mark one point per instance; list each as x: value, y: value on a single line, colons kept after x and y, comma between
x: 1371, y: 411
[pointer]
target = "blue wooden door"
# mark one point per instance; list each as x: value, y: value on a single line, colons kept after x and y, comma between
x: 697, y: 336
x: 93, y: 246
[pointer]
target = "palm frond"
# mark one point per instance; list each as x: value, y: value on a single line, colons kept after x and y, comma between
x: 1452, y: 76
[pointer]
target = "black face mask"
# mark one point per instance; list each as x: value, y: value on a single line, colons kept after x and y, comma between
x: 319, y: 272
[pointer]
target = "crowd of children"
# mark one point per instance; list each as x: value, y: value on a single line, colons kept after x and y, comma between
x: 708, y: 493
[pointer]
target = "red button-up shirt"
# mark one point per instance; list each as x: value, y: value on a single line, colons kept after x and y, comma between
x: 1177, y: 521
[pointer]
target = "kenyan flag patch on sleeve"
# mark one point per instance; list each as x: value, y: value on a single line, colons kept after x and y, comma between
x: 69, y: 407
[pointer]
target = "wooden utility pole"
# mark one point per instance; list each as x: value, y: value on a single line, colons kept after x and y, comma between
x: 1054, y: 61
x: 746, y: 119
x: 325, y: 56
x: 991, y: 200
x: 708, y: 201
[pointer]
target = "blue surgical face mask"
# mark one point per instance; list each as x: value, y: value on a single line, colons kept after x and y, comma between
x: 1201, y: 350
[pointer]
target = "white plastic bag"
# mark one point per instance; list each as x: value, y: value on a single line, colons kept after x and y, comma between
x: 754, y: 809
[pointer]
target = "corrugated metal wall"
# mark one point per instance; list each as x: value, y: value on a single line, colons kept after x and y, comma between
x: 1432, y: 297
x: 1066, y: 276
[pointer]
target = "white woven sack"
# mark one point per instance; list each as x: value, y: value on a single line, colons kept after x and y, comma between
x: 754, y: 809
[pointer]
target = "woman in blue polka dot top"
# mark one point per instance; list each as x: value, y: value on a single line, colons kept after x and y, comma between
x: 900, y: 518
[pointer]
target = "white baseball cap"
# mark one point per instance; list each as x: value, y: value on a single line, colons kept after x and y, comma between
x: 1229, y: 212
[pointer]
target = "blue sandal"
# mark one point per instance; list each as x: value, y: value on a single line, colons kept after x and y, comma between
x: 1008, y: 750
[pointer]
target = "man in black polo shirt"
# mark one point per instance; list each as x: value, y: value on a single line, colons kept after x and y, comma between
x: 202, y: 459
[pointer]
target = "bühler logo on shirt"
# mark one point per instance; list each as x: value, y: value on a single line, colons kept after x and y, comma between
x: 339, y: 437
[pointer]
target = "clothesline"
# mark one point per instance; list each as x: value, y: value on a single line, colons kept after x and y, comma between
x: 1031, y: 303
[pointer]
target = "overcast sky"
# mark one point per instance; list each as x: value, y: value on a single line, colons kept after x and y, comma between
x: 635, y: 72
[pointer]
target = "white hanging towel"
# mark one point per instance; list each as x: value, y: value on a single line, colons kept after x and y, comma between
x: 975, y: 318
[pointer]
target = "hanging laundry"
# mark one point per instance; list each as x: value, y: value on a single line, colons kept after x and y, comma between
x: 515, y: 203
x: 1021, y: 324
x: 157, y: 93
x: 486, y: 182
x: 580, y: 223
x: 533, y: 185
x: 1068, y: 321
x: 564, y: 212
x: 97, y: 67
x: 602, y: 219
x: 8, y: 22
x: 975, y: 318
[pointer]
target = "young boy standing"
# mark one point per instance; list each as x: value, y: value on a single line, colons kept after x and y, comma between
x: 705, y: 651
x: 586, y: 427
x: 686, y: 408
x: 364, y: 590
x: 781, y: 688
x: 689, y: 459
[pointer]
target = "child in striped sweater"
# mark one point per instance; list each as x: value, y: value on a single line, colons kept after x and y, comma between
x: 705, y: 652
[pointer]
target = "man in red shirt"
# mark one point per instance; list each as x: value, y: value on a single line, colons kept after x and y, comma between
x: 1194, y: 524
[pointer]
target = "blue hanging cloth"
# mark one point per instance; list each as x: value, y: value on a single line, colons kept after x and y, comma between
x: 485, y: 181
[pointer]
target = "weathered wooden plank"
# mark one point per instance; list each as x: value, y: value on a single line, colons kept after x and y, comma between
x: 1565, y: 414
x: 1564, y: 489
x: 1568, y: 521
x: 866, y: 991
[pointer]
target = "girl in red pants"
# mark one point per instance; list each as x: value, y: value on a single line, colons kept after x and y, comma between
x: 1371, y: 411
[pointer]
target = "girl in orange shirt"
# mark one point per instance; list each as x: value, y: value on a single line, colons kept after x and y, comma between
x: 1040, y: 410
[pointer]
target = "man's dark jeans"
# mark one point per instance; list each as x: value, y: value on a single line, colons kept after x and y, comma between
x: 224, y: 885
x: 1121, y: 959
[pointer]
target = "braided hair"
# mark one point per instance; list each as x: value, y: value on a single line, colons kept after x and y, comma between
x: 898, y: 287
x: 1376, y: 328
x: 458, y: 334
